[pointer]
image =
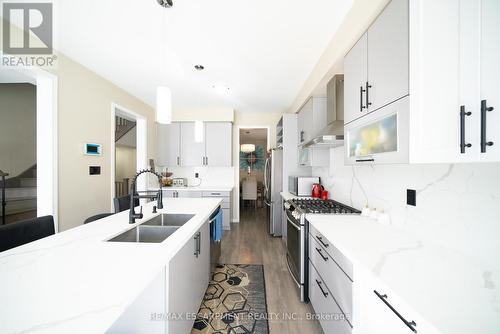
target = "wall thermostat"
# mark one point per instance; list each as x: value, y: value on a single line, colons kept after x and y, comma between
x: 92, y: 149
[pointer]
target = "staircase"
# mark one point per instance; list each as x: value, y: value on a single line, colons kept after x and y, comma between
x: 122, y: 127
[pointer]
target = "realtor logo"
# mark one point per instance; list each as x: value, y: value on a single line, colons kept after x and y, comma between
x: 36, y: 20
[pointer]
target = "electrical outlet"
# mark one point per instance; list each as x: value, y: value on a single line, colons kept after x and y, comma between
x: 196, y: 175
x: 411, y: 197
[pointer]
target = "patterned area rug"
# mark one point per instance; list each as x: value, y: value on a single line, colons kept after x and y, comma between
x: 235, y: 302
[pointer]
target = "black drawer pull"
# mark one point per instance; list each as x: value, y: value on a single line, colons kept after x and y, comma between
x: 365, y: 160
x: 484, y: 110
x: 320, y: 239
x: 463, y: 144
x: 410, y: 324
x: 324, y: 257
x: 321, y: 288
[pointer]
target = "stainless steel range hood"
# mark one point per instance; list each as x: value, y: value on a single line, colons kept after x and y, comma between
x: 333, y: 134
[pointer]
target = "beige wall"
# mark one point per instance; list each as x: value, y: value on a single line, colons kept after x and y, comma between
x: 249, y: 120
x: 84, y: 115
x: 17, y: 127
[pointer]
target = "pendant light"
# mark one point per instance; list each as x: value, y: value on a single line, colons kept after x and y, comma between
x: 163, y: 93
x: 247, y: 148
x: 163, y: 105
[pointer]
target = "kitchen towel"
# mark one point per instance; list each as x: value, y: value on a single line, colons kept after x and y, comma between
x: 217, y: 232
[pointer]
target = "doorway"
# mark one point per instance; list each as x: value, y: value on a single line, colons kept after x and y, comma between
x: 28, y: 145
x: 253, y: 154
x: 129, y: 150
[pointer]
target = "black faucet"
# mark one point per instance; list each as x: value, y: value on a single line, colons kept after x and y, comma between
x: 151, y: 195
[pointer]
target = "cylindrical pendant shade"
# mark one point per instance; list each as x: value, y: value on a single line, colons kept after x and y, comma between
x: 247, y: 148
x: 163, y: 105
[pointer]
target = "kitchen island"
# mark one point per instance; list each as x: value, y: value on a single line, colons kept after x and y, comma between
x: 77, y: 282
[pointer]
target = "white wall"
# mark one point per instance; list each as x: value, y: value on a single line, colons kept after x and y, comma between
x: 17, y: 127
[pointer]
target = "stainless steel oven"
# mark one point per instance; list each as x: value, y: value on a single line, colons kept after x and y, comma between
x: 296, y: 246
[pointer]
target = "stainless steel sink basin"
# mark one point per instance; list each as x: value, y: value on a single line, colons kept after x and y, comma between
x: 168, y: 219
x: 141, y: 233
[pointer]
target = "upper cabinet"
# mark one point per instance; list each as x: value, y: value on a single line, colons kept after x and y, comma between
x: 192, y: 151
x: 168, y: 136
x: 311, y: 119
x: 435, y: 104
x: 355, y: 79
x: 177, y: 145
x: 376, y: 68
x: 218, y: 143
x: 490, y: 78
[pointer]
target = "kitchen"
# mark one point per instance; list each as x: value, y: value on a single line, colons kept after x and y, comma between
x: 377, y: 209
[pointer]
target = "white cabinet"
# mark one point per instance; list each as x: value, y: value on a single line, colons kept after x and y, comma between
x: 169, y: 145
x: 225, y: 196
x: 188, y: 277
x: 170, y: 193
x: 192, y: 152
x: 311, y: 119
x: 218, y: 144
x: 490, y: 76
x: 177, y: 145
x: 447, y: 120
x: 376, y: 68
x: 313, y: 157
x: 388, y: 50
x: 355, y: 78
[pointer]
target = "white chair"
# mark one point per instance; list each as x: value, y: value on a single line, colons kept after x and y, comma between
x: 249, y: 190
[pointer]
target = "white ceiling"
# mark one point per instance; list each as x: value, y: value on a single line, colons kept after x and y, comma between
x: 262, y: 50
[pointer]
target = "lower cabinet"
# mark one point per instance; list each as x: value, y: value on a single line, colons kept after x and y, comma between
x: 188, y: 277
x: 331, y: 318
x: 225, y: 206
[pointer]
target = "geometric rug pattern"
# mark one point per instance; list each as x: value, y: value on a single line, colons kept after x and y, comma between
x: 234, y: 303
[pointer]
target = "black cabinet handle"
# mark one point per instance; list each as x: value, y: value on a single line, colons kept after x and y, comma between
x: 463, y: 113
x: 320, y: 239
x: 411, y: 324
x: 365, y: 160
x: 322, y: 256
x: 301, y: 136
x: 484, y: 110
x: 178, y: 161
x: 321, y: 288
x: 197, y: 244
x: 361, y: 91
x: 368, y: 86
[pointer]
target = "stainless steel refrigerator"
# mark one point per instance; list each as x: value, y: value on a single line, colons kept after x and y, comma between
x: 273, y: 186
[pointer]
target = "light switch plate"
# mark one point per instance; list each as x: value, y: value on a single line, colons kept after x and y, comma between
x: 411, y: 197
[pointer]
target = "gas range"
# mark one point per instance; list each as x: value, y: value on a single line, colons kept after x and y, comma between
x: 299, y: 206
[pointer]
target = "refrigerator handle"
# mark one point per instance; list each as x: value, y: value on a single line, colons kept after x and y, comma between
x: 266, y: 188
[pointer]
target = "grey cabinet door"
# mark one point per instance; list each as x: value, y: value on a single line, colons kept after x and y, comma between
x: 218, y: 137
x: 188, y: 277
x: 169, y: 144
x: 192, y: 152
x: 355, y: 78
x: 388, y: 63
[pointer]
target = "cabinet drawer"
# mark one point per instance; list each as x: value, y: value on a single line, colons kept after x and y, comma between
x: 216, y: 193
x: 337, y: 281
x: 332, y: 320
x: 333, y: 252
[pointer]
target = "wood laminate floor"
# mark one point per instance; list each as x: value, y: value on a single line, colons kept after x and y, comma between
x: 249, y: 242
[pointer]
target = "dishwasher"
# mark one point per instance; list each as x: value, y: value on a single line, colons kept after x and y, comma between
x: 215, y: 246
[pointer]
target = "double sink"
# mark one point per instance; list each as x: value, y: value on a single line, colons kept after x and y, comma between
x: 154, y: 230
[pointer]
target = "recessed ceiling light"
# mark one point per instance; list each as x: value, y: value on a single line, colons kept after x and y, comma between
x: 199, y: 67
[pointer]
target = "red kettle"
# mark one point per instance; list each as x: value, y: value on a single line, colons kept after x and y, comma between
x: 317, y: 189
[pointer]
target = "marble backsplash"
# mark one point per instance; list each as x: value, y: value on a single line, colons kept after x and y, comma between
x: 458, y: 205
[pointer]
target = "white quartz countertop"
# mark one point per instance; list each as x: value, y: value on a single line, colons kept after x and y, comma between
x: 76, y: 282
x: 447, y: 288
x: 193, y: 188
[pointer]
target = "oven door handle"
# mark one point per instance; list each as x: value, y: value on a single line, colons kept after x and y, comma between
x: 290, y: 270
x: 293, y: 224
